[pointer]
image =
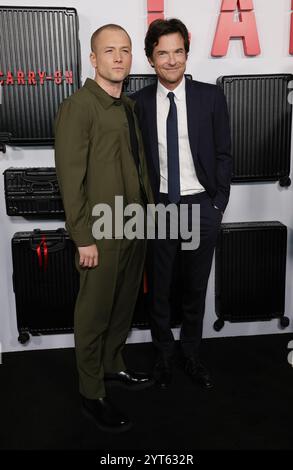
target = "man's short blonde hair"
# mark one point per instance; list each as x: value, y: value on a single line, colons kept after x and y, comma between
x: 114, y: 27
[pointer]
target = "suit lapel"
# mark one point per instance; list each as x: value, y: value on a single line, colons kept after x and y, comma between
x: 193, y: 104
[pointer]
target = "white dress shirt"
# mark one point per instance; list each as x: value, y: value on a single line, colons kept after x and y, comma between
x: 189, y: 183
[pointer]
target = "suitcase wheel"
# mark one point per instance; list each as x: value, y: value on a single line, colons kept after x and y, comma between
x: 284, y: 322
x: 218, y: 325
x: 285, y: 181
x: 23, y: 337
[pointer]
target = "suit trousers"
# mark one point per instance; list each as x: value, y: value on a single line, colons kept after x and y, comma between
x: 103, y: 312
x: 195, y: 267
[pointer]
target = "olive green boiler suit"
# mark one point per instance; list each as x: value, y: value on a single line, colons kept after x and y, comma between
x: 94, y: 164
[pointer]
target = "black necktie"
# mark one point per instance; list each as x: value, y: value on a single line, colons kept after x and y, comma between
x: 173, y: 152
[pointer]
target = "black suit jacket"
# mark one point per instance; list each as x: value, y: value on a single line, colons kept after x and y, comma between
x: 209, y: 137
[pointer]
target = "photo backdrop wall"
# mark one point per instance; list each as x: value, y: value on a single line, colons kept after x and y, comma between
x: 249, y: 201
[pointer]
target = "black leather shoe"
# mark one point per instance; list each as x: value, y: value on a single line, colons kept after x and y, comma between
x: 198, y: 373
x: 163, y: 373
x: 130, y: 379
x: 105, y: 415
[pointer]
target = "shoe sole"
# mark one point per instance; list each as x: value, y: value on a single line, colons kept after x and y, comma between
x: 134, y: 388
x: 103, y: 428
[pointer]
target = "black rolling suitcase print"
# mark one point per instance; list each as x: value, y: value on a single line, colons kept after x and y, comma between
x: 45, y: 282
x: 261, y: 120
x: 40, y: 67
x: 250, y: 272
x: 32, y: 192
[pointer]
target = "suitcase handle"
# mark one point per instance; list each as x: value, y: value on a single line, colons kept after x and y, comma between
x: 40, y: 172
x: 48, y: 186
x: 39, y: 177
x: 52, y: 245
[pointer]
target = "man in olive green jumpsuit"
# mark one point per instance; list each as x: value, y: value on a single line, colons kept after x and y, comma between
x: 94, y: 163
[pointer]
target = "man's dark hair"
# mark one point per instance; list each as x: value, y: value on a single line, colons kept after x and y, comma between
x: 160, y: 28
x: 102, y: 28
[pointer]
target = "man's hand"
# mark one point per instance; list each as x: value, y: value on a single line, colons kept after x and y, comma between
x: 88, y: 256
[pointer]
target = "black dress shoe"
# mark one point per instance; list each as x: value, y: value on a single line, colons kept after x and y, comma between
x: 163, y: 373
x: 130, y: 379
x: 105, y: 415
x: 198, y: 373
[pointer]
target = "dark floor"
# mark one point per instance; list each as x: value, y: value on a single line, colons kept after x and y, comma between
x: 251, y: 406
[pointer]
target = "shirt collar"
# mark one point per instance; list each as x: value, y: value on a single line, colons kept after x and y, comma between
x: 179, y: 91
x: 105, y: 99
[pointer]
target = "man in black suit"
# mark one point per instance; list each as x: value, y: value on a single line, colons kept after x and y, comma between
x: 185, y: 127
